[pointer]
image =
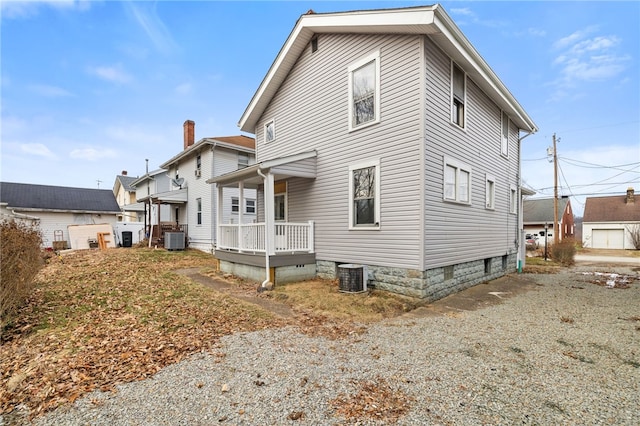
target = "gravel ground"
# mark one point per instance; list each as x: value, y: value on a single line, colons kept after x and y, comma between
x: 567, y: 352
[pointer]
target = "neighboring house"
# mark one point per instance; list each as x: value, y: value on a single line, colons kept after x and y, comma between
x: 55, y: 208
x: 194, y: 202
x: 609, y: 222
x: 538, y: 215
x: 383, y: 139
x: 125, y: 194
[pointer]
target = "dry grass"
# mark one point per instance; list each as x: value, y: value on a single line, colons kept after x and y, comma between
x: 323, y: 298
x: 100, y: 318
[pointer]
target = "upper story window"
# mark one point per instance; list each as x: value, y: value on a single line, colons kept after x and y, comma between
x: 364, y: 195
x: 198, y: 162
x: 457, y: 181
x: 504, y: 135
x: 364, y: 91
x: 243, y: 160
x: 270, y: 131
x: 458, y: 95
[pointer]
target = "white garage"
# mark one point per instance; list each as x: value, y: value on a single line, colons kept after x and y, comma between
x: 611, y: 222
x: 608, y: 239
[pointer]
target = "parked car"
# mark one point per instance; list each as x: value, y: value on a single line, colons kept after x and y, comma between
x: 531, y: 241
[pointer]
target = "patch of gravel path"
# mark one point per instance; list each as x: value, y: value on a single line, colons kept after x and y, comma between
x: 567, y: 352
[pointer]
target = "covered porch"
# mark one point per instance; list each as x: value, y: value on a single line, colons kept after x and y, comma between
x: 272, y: 244
x: 155, y: 229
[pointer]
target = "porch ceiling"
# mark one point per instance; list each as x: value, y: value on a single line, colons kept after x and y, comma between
x: 297, y: 165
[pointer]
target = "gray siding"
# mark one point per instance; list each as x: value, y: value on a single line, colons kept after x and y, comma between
x: 456, y: 233
x: 311, y: 112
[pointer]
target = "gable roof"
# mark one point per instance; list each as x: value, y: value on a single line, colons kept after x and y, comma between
x: 541, y: 210
x: 611, y: 209
x: 240, y: 143
x: 428, y: 20
x: 145, y: 177
x: 125, y: 182
x: 28, y: 197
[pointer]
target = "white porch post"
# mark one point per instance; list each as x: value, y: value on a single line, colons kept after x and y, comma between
x: 312, y: 236
x: 269, y: 215
x: 240, y: 214
x: 218, y: 214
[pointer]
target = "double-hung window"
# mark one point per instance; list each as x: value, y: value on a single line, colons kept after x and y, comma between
x: 457, y: 181
x: 364, y: 91
x: 364, y: 195
x: 199, y: 211
x: 235, y: 205
x: 243, y: 160
x: 270, y: 131
x: 250, y: 206
x: 504, y: 135
x: 490, y: 192
x: 458, y: 95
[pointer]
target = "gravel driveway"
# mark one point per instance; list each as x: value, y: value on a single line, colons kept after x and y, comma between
x: 566, y: 352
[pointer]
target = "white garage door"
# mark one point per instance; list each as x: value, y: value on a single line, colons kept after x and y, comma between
x: 608, y: 238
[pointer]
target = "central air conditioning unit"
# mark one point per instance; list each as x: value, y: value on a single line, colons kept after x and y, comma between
x: 353, y: 278
x: 174, y: 240
x: 198, y: 172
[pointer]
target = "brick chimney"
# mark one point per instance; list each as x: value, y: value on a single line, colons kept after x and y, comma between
x: 189, y: 133
x: 630, y: 197
x: 124, y: 173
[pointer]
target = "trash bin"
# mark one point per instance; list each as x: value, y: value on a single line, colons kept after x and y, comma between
x: 127, y: 238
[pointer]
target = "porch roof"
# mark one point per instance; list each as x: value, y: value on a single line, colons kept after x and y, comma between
x: 297, y: 165
x: 179, y: 196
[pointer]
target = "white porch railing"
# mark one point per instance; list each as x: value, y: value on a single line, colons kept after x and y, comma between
x: 288, y: 237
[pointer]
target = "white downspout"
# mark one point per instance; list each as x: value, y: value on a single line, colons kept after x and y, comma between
x: 268, y: 211
x: 522, y: 250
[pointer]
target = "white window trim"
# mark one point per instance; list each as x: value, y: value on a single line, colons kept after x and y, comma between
x: 375, y: 56
x: 458, y: 165
x: 490, y: 199
x: 504, y: 142
x: 199, y: 211
x: 246, y: 206
x: 237, y: 203
x: 464, y: 101
x: 363, y: 165
x: 267, y: 123
x: 513, y: 199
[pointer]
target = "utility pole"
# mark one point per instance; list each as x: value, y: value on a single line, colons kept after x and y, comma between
x: 99, y: 182
x: 555, y: 192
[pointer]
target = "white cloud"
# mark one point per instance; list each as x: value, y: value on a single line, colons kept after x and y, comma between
x: 27, y: 9
x: 49, y: 91
x: 37, y: 149
x: 183, y: 89
x: 146, y: 17
x: 114, y: 73
x: 92, y: 154
x: 586, y: 58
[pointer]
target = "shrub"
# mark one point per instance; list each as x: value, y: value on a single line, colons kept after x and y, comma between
x: 20, y: 261
x: 564, y: 252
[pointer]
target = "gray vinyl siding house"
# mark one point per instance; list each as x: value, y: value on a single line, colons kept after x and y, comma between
x: 442, y: 209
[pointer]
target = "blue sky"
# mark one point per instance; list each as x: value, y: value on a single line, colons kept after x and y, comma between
x: 92, y: 88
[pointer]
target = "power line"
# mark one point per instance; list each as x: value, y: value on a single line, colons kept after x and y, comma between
x: 577, y: 163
